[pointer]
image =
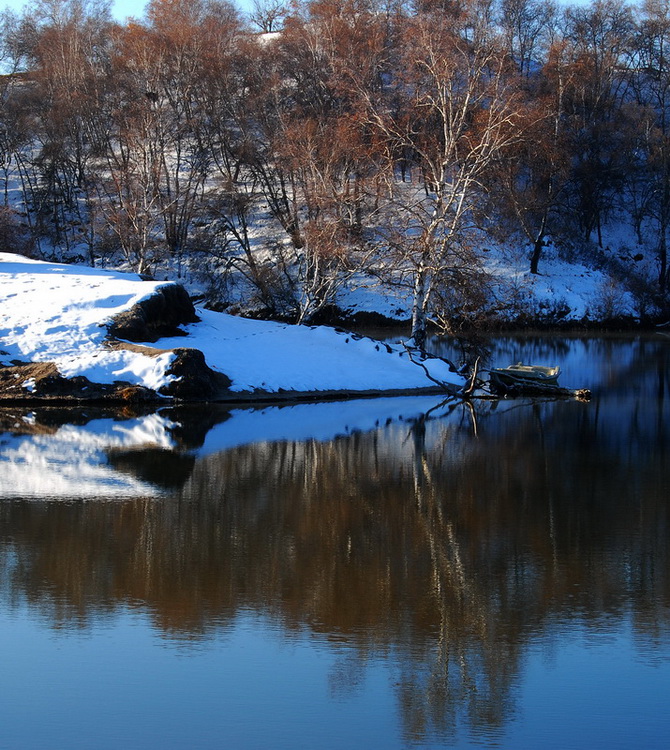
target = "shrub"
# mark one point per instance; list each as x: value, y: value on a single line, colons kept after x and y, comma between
x: 14, y: 236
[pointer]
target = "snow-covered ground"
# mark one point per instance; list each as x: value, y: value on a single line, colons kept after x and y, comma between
x: 51, y: 312
x: 569, y: 291
x: 58, y: 313
x: 275, y: 356
x: 564, y: 290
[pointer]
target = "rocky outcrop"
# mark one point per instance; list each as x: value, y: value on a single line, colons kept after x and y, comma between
x: 41, y: 382
x: 161, y: 315
x: 157, y: 316
x: 195, y: 381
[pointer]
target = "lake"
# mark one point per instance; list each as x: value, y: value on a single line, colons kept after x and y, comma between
x: 387, y: 573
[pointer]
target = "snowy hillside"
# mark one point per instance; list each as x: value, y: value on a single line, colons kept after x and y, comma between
x: 565, y: 291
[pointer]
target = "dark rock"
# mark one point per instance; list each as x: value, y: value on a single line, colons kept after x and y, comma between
x: 157, y: 316
x: 195, y: 380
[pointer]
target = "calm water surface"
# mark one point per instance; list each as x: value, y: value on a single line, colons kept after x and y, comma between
x: 395, y: 573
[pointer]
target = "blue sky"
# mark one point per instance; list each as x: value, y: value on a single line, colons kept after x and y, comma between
x: 121, y: 9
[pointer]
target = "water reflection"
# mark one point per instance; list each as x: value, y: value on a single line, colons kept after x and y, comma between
x: 95, y: 452
x: 449, y: 549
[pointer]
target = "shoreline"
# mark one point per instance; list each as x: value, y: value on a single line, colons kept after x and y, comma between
x: 125, y: 394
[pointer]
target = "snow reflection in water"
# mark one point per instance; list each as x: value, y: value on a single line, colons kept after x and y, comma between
x: 42, y: 455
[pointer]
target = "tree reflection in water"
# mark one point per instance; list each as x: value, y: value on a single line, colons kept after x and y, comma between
x: 448, y: 548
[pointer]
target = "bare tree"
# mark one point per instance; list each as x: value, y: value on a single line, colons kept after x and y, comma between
x: 527, y: 27
x: 457, y: 111
x: 268, y: 15
x: 598, y: 38
x: 306, y: 148
x: 650, y: 76
x: 526, y: 184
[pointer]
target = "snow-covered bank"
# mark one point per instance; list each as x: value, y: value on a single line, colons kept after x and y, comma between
x: 274, y: 357
x: 60, y: 314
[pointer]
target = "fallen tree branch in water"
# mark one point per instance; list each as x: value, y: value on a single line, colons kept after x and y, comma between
x: 449, y: 388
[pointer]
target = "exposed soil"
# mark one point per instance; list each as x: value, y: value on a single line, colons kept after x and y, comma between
x: 41, y: 382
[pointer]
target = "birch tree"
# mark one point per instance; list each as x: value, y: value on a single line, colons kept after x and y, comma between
x: 456, y: 110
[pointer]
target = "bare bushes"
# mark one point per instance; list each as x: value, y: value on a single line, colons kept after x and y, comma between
x: 14, y: 236
x: 462, y: 301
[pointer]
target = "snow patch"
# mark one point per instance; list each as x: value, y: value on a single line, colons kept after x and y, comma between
x: 50, y: 312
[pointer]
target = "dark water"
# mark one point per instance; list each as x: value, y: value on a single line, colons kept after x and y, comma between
x: 349, y: 575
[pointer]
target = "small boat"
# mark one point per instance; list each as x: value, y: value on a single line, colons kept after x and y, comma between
x: 524, y: 377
